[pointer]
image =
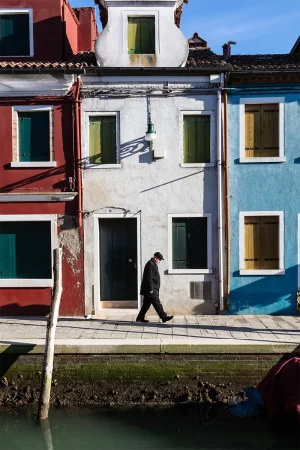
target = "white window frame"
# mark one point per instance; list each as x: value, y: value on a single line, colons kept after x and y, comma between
x: 212, y: 137
x: 209, y: 244
x: 136, y: 12
x: 16, y: 11
x: 96, y: 266
x: 260, y: 101
x: 15, y: 126
x: 280, y: 215
x: 86, y: 142
x: 26, y: 282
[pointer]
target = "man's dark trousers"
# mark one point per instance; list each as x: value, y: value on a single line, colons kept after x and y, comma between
x: 152, y: 299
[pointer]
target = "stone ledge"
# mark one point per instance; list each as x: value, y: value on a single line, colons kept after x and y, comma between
x: 98, y: 347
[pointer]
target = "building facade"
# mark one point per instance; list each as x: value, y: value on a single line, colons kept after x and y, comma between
x: 264, y: 117
x: 39, y: 170
x: 140, y: 197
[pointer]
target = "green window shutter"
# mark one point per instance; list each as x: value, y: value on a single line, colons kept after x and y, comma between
x: 25, y: 250
x: 103, y: 145
x: 34, y: 136
x: 14, y: 35
x: 196, y: 139
x: 141, y: 35
x: 8, y: 263
x: 179, y: 244
x: 95, y: 151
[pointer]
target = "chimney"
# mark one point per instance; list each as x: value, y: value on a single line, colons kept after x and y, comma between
x: 227, y: 49
x: 87, y: 29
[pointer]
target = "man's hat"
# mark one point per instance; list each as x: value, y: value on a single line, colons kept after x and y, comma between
x: 159, y: 256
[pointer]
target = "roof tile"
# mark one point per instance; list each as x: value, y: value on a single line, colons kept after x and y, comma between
x: 202, y: 58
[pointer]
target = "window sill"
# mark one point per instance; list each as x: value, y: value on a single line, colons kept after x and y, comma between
x: 189, y: 271
x: 102, y: 166
x: 21, y: 283
x: 29, y: 165
x: 262, y: 272
x: 198, y: 165
x: 276, y: 159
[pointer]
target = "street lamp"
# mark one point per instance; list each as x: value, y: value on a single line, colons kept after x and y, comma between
x: 151, y: 133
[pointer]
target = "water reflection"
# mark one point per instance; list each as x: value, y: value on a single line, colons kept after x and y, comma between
x: 185, y: 427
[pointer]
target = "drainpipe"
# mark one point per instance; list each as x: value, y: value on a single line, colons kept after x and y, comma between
x: 63, y: 32
x: 227, y: 216
x: 220, y: 200
x: 78, y: 150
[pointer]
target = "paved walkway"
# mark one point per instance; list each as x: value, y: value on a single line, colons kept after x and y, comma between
x: 190, y: 334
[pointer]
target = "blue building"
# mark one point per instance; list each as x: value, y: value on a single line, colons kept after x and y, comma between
x: 264, y: 183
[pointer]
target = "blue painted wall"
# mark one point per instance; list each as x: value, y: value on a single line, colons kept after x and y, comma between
x: 265, y: 187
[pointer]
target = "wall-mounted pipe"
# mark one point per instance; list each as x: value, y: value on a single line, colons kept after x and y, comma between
x: 220, y: 201
x: 226, y: 192
x: 78, y: 151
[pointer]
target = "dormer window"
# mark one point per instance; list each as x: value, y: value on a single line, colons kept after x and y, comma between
x: 141, y: 35
x: 16, y: 32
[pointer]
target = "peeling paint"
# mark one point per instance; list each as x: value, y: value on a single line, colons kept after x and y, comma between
x: 143, y: 60
x: 69, y: 239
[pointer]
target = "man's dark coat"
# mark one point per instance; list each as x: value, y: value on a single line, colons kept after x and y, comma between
x: 151, y: 279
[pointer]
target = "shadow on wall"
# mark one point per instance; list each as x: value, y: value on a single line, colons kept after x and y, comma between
x: 10, y: 355
x: 272, y: 295
x: 15, y: 309
x: 135, y: 146
x: 52, y: 40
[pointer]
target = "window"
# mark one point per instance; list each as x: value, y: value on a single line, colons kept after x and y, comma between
x: 16, y: 32
x: 34, y: 136
x: 141, y: 35
x: 262, y: 243
x: 190, y: 243
x: 196, y: 139
x: 103, y: 140
x: 25, y: 250
x: 262, y: 130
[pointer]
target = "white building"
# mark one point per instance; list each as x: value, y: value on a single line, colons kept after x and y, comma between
x: 140, y: 197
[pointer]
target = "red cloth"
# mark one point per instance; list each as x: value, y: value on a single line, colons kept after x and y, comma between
x: 281, y: 388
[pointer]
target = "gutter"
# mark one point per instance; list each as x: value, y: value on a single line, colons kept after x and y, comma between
x: 263, y: 72
x: 78, y: 150
x: 220, y: 200
x: 226, y: 193
x: 104, y: 71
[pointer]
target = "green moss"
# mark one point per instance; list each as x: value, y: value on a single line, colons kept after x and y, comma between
x: 139, y: 371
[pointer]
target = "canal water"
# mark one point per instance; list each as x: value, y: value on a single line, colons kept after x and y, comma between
x: 140, y: 428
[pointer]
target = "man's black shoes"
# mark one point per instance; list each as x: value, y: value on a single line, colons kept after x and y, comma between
x: 167, y: 318
x: 142, y: 320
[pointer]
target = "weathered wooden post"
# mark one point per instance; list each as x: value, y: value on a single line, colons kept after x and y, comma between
x: 50, y: 338
x: 46, y: 435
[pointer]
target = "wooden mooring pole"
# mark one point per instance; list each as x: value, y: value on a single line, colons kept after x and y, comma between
x: 50, y: 338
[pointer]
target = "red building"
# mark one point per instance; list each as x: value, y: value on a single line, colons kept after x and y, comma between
x: 40, y: 182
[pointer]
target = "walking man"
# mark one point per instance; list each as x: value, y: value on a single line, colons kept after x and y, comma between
x: 150, y: 290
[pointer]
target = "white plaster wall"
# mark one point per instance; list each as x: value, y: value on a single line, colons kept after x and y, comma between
x: 43, y: 85
x: 156, y: 188
x: 111, y: 46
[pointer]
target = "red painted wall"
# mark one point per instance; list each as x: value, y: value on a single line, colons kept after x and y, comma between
x: 52, y: 179
x: 71, y: 31
x: 87, y: 30
x: 55, y: 30
x: 36, y: 301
